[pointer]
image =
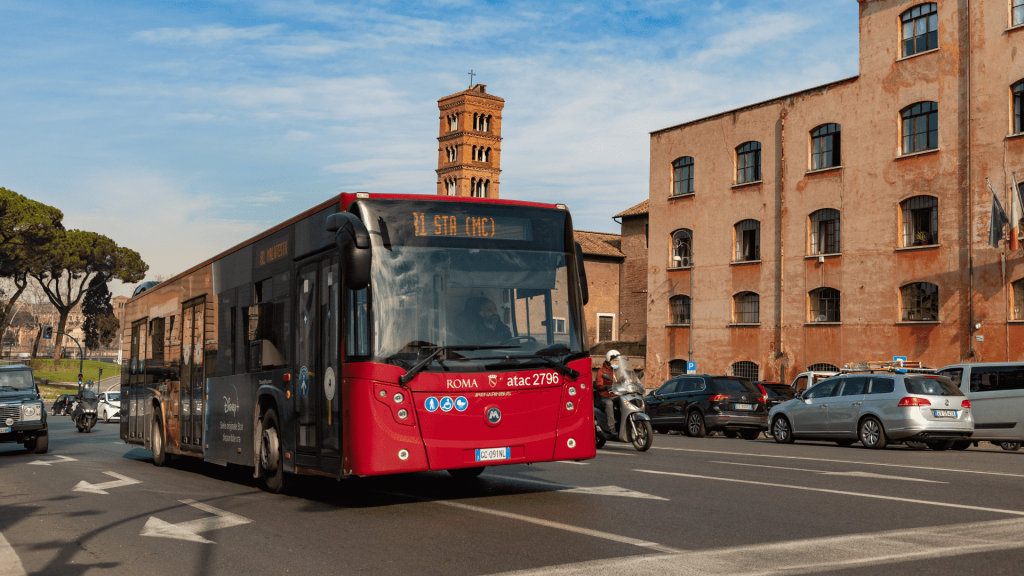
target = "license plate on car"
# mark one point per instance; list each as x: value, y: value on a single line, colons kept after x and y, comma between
x: 744, y: 406
x: 485, y: 454
x: 3, y: 430
x: 945, y: 413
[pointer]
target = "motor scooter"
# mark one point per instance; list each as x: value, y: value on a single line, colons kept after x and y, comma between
x: 634, y: 425
x: 84, y: 415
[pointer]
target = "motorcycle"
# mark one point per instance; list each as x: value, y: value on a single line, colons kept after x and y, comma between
x: 84, y: 415
x: 634, y: 425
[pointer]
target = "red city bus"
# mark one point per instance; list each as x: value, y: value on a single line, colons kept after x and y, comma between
x: 372, y: 334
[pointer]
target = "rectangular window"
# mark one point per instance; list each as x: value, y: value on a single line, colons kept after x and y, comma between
x: 682, y: 176
x: 920, y: 221
x: 560, y: 326
x: 825, y: 232
x: 748, y: 166
x: 357, y: 340
x: 748, y: 241
x: 921, y: 127
x: 1018, y: 300
x: 605, y: 327
x: 825, y: 147
x: 997, y: 378
x: 748, y: 309
x: 881, y: 385
x: 1017, y: 14
x: 680, y: 309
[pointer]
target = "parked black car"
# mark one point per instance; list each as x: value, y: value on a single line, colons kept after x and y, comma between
x: 778, y: 393
x: 62, y: 405
x: 701, y: 403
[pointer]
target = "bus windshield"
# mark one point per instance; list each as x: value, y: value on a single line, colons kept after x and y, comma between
x: 499, y: 291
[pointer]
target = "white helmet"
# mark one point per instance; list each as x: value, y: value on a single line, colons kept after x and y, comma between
x: 611, y: 354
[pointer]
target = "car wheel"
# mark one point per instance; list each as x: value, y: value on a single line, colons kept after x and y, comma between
x: 941, y: 445
x: 961, y: 445
x: 40, y: 444
x: 750, y: 434
x: 871, y: 433
x: 1011, y: 446
x: 466, y: 473
x: 915, y: 444
x: 845, y: 443
x: 730, y: 433
x: 695, y: 424
x: 781, y: 430
x: 271, y: 461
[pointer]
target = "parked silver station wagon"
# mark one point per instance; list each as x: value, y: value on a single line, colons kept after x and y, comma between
x: 876, y: 408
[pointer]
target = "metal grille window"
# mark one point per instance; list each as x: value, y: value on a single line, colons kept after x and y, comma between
x: 1017, y: 14
x: 1018, y: 93
x: 746, y: 308
x: 920, y: 127
x: 748, y: 162
x: 825, y: 147
x: 825, y: 305
x: 748, y: 241
x: 1018, y: 300
x: 679, y: 309
x: 825, y: 231
x: 676, y: 368
x: 822, y: 367
x: 920, y: 302
x: 920, y: 29
x: 920, y: 221
x: 682, y: 176
x: 682, y: 249
x: 744, y: 369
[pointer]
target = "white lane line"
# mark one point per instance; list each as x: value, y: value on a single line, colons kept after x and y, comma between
x: 843, y: 492
x: 59, y: 459
x: 595, y: 490
x: 546, y: 523
x: 814, y: 555
x: 614, y: 452
x: 10, y: 564
x: 569, y: 462
x: 825, y: 473
x: 720, y: 453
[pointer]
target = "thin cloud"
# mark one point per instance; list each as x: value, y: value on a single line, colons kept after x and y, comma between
x: 210, y: 34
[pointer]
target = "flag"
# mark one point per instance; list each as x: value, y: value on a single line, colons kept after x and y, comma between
x: 995, y: 226
x: 1016, y: 213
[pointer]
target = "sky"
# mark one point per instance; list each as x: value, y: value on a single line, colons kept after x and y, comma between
x: 181, y: 128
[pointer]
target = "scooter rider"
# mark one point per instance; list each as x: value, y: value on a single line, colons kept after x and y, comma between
x: 603, y: 385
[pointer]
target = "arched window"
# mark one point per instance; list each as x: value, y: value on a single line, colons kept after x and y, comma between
x: 920, y: 29
x: 825, y: 147
x: 748, y: 162
x: 676, y: 368
x: 824, y: 232
x: 744, y: 369
x: 748, y: 241
x: 824, y: 305
x: 822, y: 367
x: 920, y: 302
x: 455, y: 118
x: 682, y: 176
x: 1018, y: 300
x: 682, y: 249
x: 746, y: 308
x: 1018, y: 92
x: 920, y: 127
x: 487, y: 155
x: 451, y: 187
x: 487, y: 123
x: 679, y: 309
x: 920, y: 216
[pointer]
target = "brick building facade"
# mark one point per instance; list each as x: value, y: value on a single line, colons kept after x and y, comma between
x: 469, y: 144
x: 850, y: 221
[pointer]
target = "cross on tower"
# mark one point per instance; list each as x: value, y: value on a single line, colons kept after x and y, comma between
x: 471, y: 74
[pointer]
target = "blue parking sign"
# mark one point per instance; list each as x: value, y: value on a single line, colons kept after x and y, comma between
x: 691, y: 367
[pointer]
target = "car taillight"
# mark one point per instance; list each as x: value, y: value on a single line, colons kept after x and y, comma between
x: 912, y: 401
x: 764, y: 394
x: 718, y: 398
x: 965, y: 404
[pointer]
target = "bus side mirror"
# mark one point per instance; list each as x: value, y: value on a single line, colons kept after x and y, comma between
x: 582, y: 272
x: 353, y: 241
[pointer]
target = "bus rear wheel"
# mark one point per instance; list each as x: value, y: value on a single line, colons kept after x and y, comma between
x: 157, y: 442
x: 466, y: 473
x: 271, y: 468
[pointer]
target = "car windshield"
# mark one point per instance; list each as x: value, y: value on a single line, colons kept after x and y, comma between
x: 16, y: 380
x: 734, y: 385
x: 113, y: 397
x: 490, y: 277
x: 780, y: 391
x: 932, y: 387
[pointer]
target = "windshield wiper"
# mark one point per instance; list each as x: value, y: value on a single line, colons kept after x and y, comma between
x: 557, y: 350
x: 412, y: 372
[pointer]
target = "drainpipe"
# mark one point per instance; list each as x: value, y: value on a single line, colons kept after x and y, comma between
x: 970, y: 190
x: 781, y: 355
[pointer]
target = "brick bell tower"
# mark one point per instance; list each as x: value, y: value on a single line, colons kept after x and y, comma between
x: 469, y: 145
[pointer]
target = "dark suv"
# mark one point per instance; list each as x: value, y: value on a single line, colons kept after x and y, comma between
x: 701, y: 403
x: 22, y: 418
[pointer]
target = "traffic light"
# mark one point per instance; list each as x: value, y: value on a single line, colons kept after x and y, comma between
x: 48, y: 332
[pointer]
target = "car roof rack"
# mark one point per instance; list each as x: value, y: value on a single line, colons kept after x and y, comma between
x: 897, y: 366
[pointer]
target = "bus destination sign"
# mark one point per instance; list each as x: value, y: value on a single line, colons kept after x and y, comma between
x: 468, y: 226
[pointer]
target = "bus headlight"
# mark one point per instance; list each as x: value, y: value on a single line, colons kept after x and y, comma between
x: 399, y: 398
x: 403, y: 414
x: 31, y: 411
x: 572, y: 391
x: 569, y: 406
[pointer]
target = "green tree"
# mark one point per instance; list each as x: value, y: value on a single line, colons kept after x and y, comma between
x: 25, y: 227
x: 101, y: 324
x: 70, y: 261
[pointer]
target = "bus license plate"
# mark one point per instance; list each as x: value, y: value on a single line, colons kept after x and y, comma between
x: 744, y: 407
x: 3, y: 430
x: 485, y: 454
x: 945, y: 413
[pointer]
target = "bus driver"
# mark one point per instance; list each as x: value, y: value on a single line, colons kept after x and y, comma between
x: 482, y: 324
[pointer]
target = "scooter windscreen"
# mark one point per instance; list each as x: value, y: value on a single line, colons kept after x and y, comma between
x: 626, y: 381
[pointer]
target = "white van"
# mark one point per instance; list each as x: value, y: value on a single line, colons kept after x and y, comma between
x: 805, y: 380
x: 996, y: 392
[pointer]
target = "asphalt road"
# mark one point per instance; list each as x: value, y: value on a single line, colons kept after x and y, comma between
x: 688, y: 506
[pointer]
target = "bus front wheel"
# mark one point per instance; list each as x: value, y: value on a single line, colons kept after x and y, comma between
x: 271, y: 469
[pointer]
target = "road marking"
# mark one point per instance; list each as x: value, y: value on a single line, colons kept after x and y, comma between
x: 824, y: 473
x: 84, y: 486
x: 614, y: 452
x: 59, y: 460
x: 190, y: 530
x: 10, y: 564
x: 569, y: 462
x: 843, y: 492
x: 596, y: 490
x: 720, y: 453
x: 815, y: 555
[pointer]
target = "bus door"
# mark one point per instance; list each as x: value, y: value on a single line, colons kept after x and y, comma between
x: 193, y: 337
x: 136, y: 382
x: 318, y: 438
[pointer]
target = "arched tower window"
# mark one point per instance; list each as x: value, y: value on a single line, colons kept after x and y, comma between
x: 682, y: 249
